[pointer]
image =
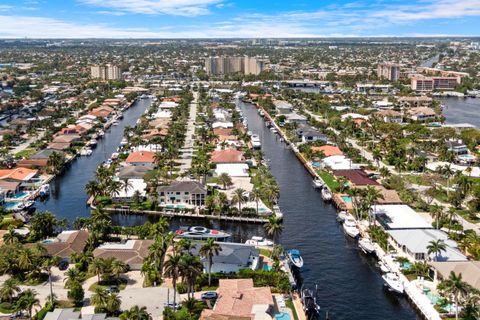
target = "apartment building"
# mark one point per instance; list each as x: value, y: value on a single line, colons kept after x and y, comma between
x: 389, y: 71
x: 105, y: 72
x: 422, y: 83
x: 226, y: 65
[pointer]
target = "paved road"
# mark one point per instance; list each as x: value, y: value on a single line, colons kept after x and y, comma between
x: 187, y: 150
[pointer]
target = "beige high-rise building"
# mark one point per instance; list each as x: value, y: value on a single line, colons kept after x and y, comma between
x: 105, y: 72
x: 389, y: 71
x: 226, y: 65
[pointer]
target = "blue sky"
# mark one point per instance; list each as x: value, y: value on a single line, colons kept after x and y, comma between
x: 236, y: 18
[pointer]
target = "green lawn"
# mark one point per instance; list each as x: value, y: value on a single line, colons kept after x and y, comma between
x: 329, y: 180
x: 25, y: 153
x: 420, y: 180
x: 289, y: 304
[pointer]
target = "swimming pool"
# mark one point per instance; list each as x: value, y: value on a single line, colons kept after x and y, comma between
x: 267, y: 267
x: 282, y: 316
x: 11, y: 205
x: 20, y: 195
x: 347, y: 199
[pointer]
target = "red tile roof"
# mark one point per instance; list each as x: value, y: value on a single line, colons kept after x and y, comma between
x: 227, y: 156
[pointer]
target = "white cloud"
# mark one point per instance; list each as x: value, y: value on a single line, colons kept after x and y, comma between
x: 4, y: 7
x: 171, y: 7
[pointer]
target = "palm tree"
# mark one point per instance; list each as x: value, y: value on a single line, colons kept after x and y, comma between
x: 92, y: 188
x: 436, y: 247
x: 274, y: 226
x: 136, y: 313
x: 127, y: 184
x: 11, y: 237
x: 372, y: 195
x: 97, y: 266
x: 437, y: 212
x: 239, y: 197
x: 9, y: 290
x: 172, y: 270
x: 225, y: 180
x: 55, y: 162
x: 208, y: 251
x: 100, y: 298
x: 47, y: 266
x: 118, y: 267
x: 256, y: 196
x: 27, y: 300
x: 190, y: 269
x: 72, y: 275
x: 113, y: 303
x: 455, y: 286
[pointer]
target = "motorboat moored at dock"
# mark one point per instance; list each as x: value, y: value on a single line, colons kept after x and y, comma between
x: 366, y: 245
x: 393, y: 282
x: 326, y: 194
x: 295, y: 257
x: 350, y: 227
x: 259, y: 241
x: 317, y: 183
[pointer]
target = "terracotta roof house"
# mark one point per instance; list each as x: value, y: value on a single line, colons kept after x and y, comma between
x: 10, y: 187
x: 18, y: 174
x: 227, y: 156
x: 141, y: 158
x: 132, y: 252
x: 67, y: 138
x: 421, y: 113
x: 391, y: 116
x: 328, y: 150
x: 470, y: 271
x: 133, y: 172
x: 356, y: 177
x: 68, y: 242
x: 239, y: 299
x: 59, y: 146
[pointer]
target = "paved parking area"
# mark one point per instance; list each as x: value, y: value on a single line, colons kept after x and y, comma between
x: 152, y: 298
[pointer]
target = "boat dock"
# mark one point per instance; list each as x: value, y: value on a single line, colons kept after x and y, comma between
x: 185, y: 214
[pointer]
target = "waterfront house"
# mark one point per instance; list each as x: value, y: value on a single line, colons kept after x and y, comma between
x: 66, y: 243
x: 414, y: 243
x: 469, y: 270
x: 295, y: 118
x: 232, y: 169
x: 457, y: 147
x: 416, y: 101
x: 132, y: 172
x: 399, y: 216
x: 421, y: 114
x: 24, y: 176
x: 232, y: 258
x: 390, y: 116
x: 308, y: 134
x: 9, y: 188
x: 227, y: 156
x: 328, y: 150
x: 339, y: 162
x: 182, y: 192
x: 283, y: 107
x: 132, y: 252
x: 141, y: 159
x: 355, y: 177
x: 238, y: 299
x: 67, y: 138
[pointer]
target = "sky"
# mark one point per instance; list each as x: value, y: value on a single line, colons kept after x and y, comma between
x: 237, y: 18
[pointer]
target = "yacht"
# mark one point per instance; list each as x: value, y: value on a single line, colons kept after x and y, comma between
x: 393, y: 282
x: 278, y: 213
x: 44, y: 190
x: 317, y: 183
x: 86, y: 152
x: 350, y: 227
x: 115, y: 123
x: 273, y: 130
x: 383, y: 267
x: 295, y: 258
x: 92, y: 143
x: 341, y: 216
x: 256, y: 144
x: 259, y: 241
x: 366, y: 245
x: 201, y: 233
x: 326, y: 194
x: 261, y: 113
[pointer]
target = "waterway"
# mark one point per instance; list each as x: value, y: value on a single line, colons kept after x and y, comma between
x: 68, y: 198
x: 461, y: 110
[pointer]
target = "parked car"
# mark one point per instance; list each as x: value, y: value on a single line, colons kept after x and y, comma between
x: 113, y: 289
x: 173, y: 306
x: 63, y: 265
x: 209, y: 295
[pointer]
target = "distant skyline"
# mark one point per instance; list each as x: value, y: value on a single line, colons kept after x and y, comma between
x: 237, y: 18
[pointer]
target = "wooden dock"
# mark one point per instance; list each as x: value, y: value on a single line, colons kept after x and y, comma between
x: 186, y: 214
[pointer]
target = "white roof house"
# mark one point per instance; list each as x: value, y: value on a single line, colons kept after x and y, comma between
x: 399, y: 216
x: 415, y: 242
x: 232, y: 169
x: 220, y: 124
x: 168, y: 105
x: 339, y: 162
x: 135, y: 185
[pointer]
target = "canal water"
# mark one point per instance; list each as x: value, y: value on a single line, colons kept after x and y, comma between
x: 461, y: 110
x: 68, y: 198
x: 349, y: 283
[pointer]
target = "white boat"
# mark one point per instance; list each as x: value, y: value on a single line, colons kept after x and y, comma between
x: 92, y: 143
x: 393, y: 282
x: 115, y: 123
x: 256, y: 144
x: 383, y: 267
x: 341, y: 216
x: 101, y: 133
x: 273, y: 130
x: 326, y: 194
x: 278, y: 213
x: 295, y: 258
x: 249, y: 133
x: 44, y: 190
x: 261, y: 113
x: 201, y: 233
x: 259, y: 241
x: 350, y: 227
x: 366, y: 245
x: 86, y: 152
x: 317, y: 183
